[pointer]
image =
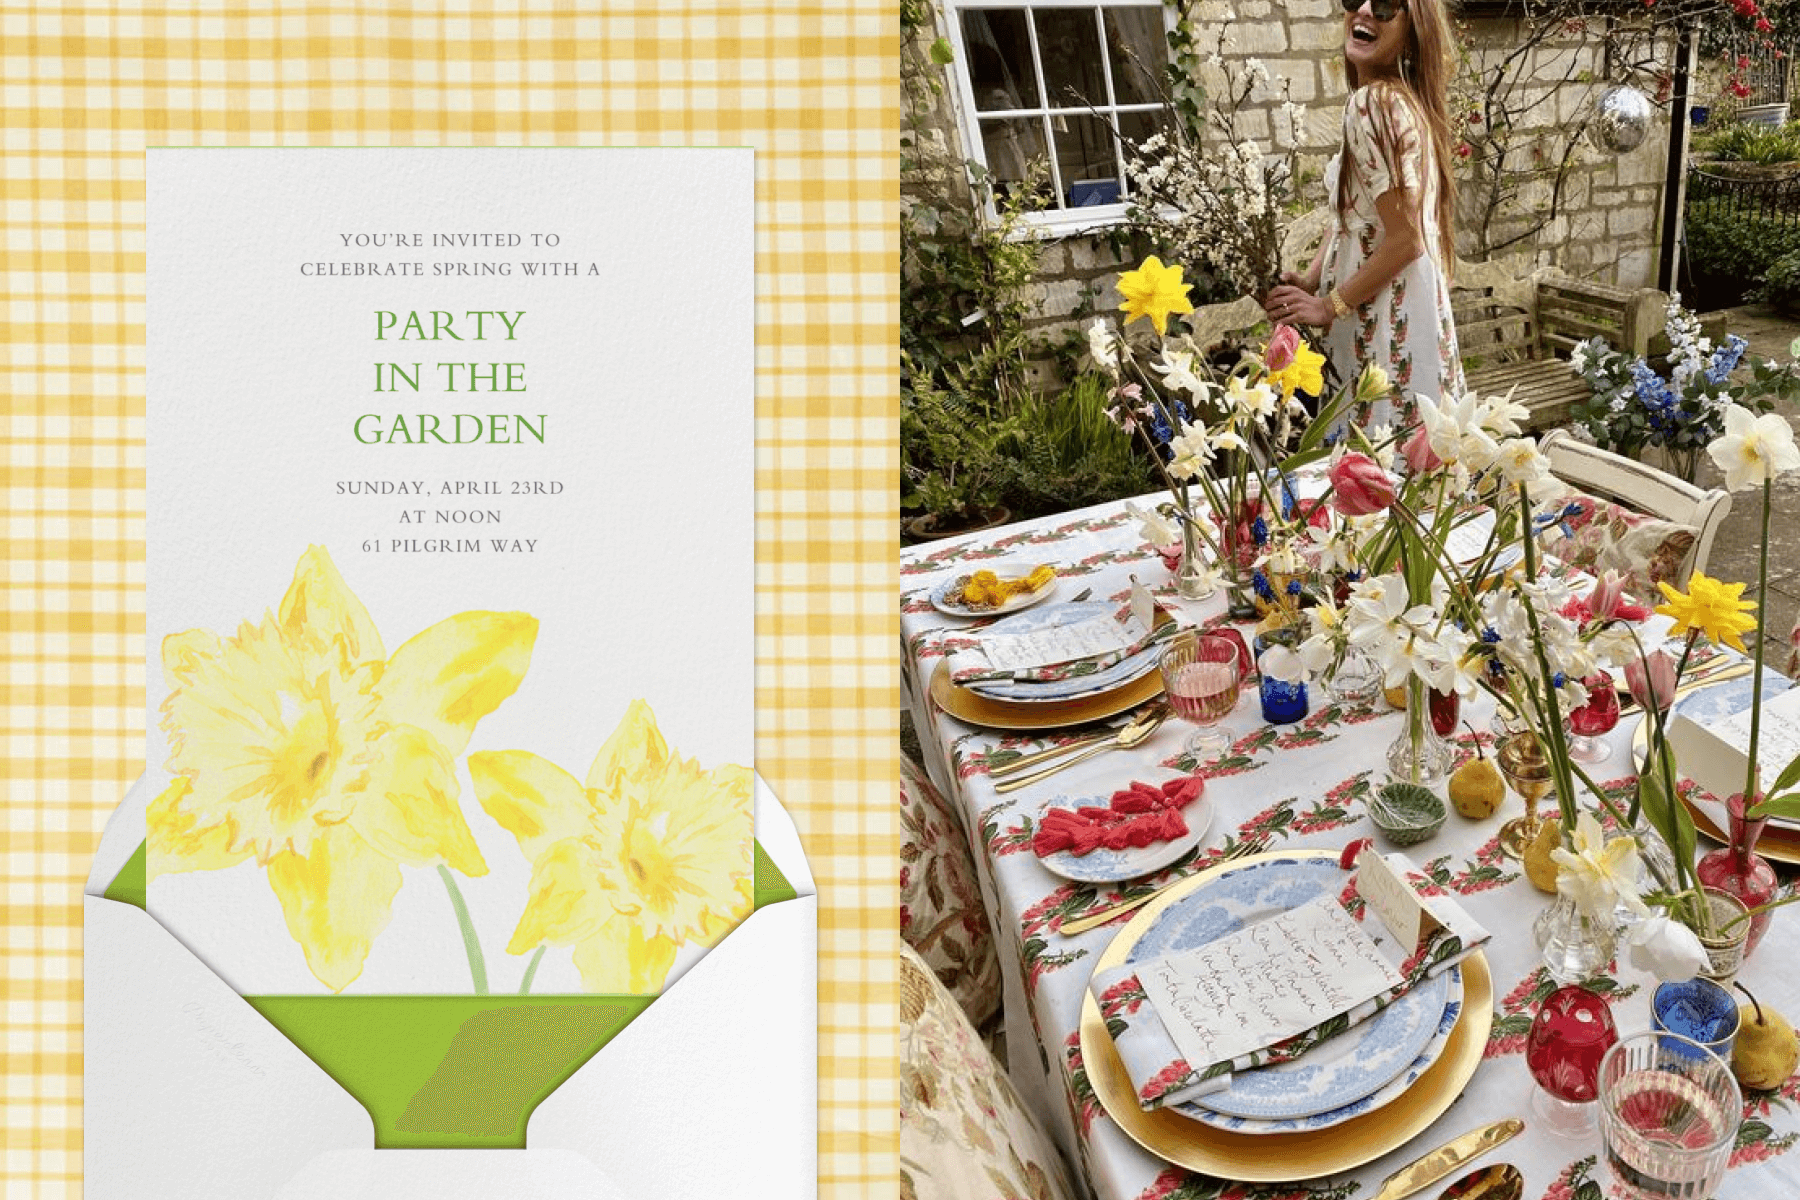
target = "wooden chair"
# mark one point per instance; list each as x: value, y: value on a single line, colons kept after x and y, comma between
x: 1641, y: 488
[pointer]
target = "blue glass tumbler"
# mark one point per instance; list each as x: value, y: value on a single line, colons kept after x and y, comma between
x: 1283, y: 703
x: 1698, y: 1009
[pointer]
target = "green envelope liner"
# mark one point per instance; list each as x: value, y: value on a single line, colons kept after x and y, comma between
x: 451, y: 1072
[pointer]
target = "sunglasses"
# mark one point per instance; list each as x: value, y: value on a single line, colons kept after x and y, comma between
x: 1382, y: 10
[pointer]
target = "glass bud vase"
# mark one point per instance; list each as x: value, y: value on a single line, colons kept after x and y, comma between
x: 1193, y: 581
x: 1419, y: 755
x: 1574, y: 945
x: 1355, y: 678
x: 1739, y: 871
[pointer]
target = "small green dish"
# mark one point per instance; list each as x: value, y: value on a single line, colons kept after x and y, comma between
x: 1406, y: 812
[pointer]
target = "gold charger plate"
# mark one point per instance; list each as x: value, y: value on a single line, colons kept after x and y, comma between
x: 1281, y: 1157
x: 1778, y: 843
x: 1021, y: 715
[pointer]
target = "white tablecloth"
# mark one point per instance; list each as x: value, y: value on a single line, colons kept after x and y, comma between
x: 1307, y: 785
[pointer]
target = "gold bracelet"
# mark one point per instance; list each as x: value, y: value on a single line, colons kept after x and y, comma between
x: 1338, y: 304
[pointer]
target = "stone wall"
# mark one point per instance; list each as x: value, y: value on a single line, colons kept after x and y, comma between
x: 1607, y: 227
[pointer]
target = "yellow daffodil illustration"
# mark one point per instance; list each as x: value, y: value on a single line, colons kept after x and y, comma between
x: 1712, y: 607
x: 301, y: 742
x: 1154, y: 291
x: 648, y: 853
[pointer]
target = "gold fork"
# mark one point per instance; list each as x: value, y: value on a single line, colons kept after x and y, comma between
x: 1096, y: 919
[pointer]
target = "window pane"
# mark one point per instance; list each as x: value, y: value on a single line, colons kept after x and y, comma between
x: 1069, y: 43
x: 997, y: 43
x: 1011, y: 145
x: 1084, y: 155
x: 1138, y: 49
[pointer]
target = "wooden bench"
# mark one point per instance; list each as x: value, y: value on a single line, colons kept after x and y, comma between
x: 1516, y: 332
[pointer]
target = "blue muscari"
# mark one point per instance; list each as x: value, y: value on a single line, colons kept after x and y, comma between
x: 1260, y: 582
x: 1259, y: 532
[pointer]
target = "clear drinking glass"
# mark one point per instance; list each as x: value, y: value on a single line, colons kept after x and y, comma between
x: 1669, y: 1114
x: 1594, y: 719
x: 1201, y: 678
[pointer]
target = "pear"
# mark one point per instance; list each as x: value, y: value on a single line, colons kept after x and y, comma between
x: 1476, y: 788
x: 1765, y: 1053
x: 1540, y: 868
x: 1395, y: 696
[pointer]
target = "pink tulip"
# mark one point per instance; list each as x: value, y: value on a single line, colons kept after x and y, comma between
x: 1652, y: 679
x: 1608, y: 595
x: 1418, y: 453
x: 1283, y: 344
x: 1359, y: 486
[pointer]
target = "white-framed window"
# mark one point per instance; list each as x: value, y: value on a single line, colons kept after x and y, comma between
x: 1053, y: 80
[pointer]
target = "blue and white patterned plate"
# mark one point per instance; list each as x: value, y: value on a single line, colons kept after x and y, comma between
x: 1392, y: 1090
x: 1362, y: 1059
x: 1055, y: 617
x: 1114, y: 866
x: 1124, y: 671
x: 1710, y: 705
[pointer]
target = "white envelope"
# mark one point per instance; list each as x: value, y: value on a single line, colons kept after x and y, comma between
x: 190, y: 1093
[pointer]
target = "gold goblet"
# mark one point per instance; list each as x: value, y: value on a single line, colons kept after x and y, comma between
x: 1527, y: 772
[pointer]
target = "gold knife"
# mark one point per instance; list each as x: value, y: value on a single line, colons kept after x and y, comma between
x: 1427, y: 1170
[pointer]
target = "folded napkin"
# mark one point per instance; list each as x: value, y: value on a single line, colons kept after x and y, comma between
x: 1162, y: 1075
x: 1052, y: 655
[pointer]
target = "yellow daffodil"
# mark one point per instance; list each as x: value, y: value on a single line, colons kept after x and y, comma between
x: 1713, y: 607
x: 648, y: 853
x: 300, y: 742
x: 1304, y: 372
x: 1154, y: 291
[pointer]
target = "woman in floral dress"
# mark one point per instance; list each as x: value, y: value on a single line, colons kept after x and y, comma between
x: 1379, y: 284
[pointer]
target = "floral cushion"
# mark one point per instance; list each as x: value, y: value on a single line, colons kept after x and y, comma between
x: 941, y: 914
x: 964, y: 1132
x: 1599, y: 535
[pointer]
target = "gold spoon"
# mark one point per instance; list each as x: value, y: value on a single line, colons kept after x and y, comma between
x: 1132, y: 734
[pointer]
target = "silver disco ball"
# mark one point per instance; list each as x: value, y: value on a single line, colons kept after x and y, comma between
x: 1622, y: 118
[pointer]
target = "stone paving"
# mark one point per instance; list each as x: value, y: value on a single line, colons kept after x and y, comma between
x: 1734, y: 554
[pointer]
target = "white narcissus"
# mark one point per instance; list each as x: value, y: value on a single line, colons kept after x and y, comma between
x: 1189, y: 452
x: 1667, y: 949
x: 1597, y: 873
x: 1153, y: 527
x: 1753, y: 449
x: 1280, y: 662
x: 1103, y: 348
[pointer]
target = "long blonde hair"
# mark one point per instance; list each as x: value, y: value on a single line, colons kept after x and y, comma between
x: 1425, y: 83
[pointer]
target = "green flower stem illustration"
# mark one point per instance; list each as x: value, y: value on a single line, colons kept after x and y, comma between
x: 477, y: 965
x: 531, y: 969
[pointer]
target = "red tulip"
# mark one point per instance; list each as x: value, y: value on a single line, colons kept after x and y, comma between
x: 1359, y: 486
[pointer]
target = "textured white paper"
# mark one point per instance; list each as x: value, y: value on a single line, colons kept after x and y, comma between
x: 1097, y: 635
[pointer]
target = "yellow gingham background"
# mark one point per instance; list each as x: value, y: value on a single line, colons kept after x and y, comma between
x: 809, y: 85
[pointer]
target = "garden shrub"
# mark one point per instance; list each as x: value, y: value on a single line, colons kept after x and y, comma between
x: 1728, y: 254
x: 1752, y: 144
x: 1074, y: 455
x: 1781, y: 284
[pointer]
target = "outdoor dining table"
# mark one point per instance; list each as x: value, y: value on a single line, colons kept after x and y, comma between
x: 1301, y: 786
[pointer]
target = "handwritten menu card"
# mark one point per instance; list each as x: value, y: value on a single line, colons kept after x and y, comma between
x: 1267, y: 981
x: 1778, y: 741
x: 1097, y: 635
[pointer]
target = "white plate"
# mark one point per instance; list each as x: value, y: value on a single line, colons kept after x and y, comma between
x: 1373, y: 1052
x: 1115, y: 866
x: 942, y: 593
x: 1388, y: 1092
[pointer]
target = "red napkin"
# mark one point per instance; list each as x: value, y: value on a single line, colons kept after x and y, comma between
x: 1136, y: 817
